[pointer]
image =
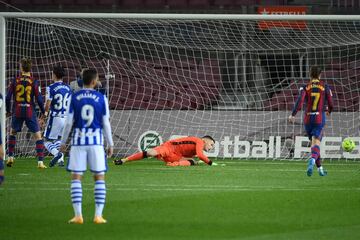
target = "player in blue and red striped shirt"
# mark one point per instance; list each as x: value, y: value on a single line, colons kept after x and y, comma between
x: 318, y: 97
x: 24, y: 90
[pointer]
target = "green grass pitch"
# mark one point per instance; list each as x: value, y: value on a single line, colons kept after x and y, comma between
x: 147, y: 200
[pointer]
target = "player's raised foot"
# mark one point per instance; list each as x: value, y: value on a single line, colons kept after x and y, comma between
x: 10, y: 161
x: 41, y: 165
x: 310, y: 167
x: 56, y: 159
x: 76, y: 220
x: 2, y: 178
x: 119, y: 161
x: 99, y: 220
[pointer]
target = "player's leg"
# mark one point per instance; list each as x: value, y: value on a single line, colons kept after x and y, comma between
x: 33, y: 126
x: 98, y: 165
x: 316, y: 149
x: 39, y: 147
x: 16, y: 125
x: 100, y: 197
x: 140, y: 155
x: 1, y: 162
x: 76, y: 198
x: 311, y: 161
x: 77, y: 165
x: 52, y: 134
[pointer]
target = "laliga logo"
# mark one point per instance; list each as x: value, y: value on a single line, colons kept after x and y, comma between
x: 148, y: 140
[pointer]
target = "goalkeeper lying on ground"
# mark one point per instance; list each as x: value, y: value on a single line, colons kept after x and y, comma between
x: 177, y: 152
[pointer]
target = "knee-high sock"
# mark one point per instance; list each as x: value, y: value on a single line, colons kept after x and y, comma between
x: 40, y: 150
x: 1, y: 164
x: 100, y: 196
x: 11, y: 145
x: 137, y: 156
x: 1, y: 170
x: 76, y: 196
x: 318, y: 162
x: 51, y: 147
x: 315, y: 152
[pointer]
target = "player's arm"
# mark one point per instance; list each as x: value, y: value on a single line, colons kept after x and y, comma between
x: 9, y: 95
x: 200, y: 154
x: 107, y: 127
x: 69, y: 120
x: 298, y: 104
x: 38, y: 96
x: 48, y: 100
x: 329, y: 99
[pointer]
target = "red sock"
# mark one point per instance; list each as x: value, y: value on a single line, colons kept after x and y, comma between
x: 318, y: 162
x: 136, y: 156
x: 315, y: 152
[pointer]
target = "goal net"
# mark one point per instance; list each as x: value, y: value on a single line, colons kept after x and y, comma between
x: 236, y: 80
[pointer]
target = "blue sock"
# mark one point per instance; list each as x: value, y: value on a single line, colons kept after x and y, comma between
x: 100, y: 195
x: 76, y: 196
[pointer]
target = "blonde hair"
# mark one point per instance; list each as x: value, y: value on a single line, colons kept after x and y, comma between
x: 26, y: 64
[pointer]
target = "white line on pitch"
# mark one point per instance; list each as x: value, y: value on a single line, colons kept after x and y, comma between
x: 189, y: 189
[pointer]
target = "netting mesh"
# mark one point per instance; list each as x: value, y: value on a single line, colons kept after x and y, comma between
x: 227, y: 78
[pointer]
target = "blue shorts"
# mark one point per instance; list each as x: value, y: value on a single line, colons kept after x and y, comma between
x: 314, y: 131
x: 31, y: 123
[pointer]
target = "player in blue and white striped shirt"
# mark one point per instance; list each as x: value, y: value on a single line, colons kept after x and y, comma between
x: 88, y: 116
x: 57, y: 98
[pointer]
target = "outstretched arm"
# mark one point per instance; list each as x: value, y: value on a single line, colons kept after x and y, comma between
x: 201, y: 155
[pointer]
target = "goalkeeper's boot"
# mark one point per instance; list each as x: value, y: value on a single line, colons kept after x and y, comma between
x: 322, y: 172
x: 99, y: 220
x: 56, y: 159
x: 119, y: 161
x: 10, y: 161
x: 310, y: 167
x: 76, y: 220
x: 41, y: 165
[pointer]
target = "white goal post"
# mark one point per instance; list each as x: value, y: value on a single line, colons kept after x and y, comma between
x: 231, y: 76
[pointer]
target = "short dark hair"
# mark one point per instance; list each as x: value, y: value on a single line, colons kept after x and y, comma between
x: 26, y: 64
x: 315, y: 72
x: 209, y: 137
x: 88, y: 75
x: 59, y: 71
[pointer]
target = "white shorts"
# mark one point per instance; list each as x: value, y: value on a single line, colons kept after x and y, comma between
x: 54, y: 128
x: 92, y: 155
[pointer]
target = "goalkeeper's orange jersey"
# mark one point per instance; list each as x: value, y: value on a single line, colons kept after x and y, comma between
x: 187, y: 147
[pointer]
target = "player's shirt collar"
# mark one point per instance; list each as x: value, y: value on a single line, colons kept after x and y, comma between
x: 26, y: 74
x: 315, y: 80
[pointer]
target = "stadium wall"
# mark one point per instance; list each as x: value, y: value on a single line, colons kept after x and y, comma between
x: 239, y: 134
